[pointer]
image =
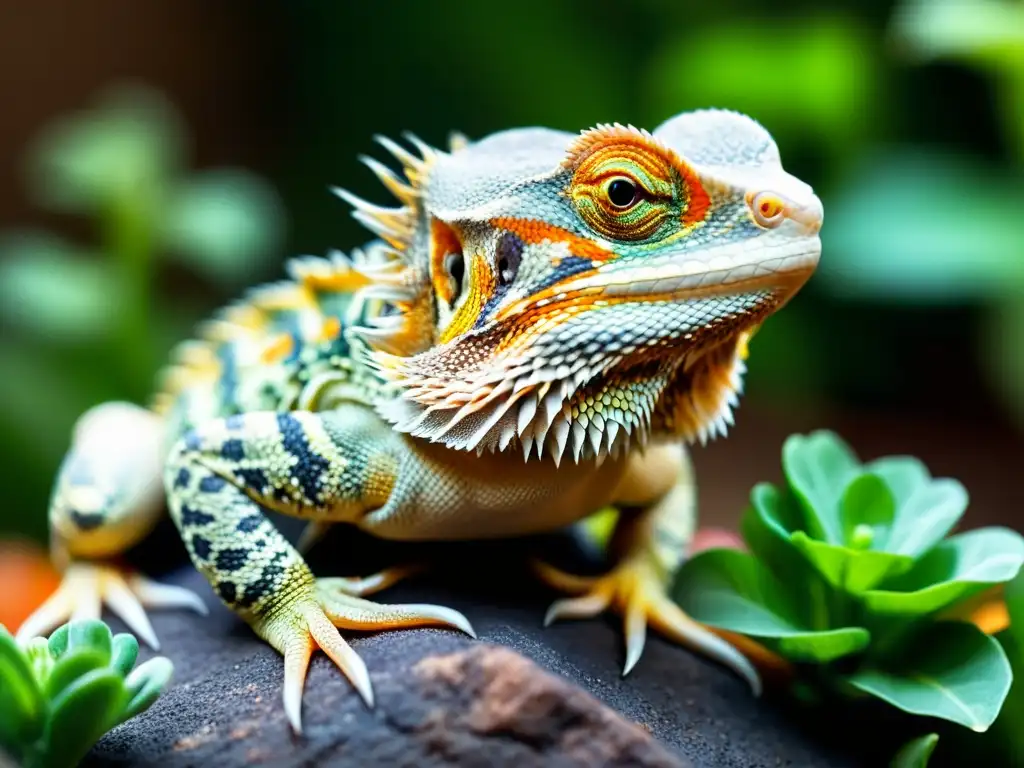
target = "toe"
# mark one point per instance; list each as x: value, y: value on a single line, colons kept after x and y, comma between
x: 331, y: 642
x: 126, y: 606
x: 296, y: 664
x: 669, y: 619
x: 584, y: 607
x: 562, y: 581
x: 152, y: 594
x: 350, y: 612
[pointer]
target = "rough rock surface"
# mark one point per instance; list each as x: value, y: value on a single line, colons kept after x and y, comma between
x: 520, y: 695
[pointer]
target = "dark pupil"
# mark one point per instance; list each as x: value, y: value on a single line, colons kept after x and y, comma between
x: 457, y: 270
x: 621, y: 192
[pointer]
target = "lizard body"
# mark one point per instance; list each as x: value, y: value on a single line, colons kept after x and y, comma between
x: 539, y: 329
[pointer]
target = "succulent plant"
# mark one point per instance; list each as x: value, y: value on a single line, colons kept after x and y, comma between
x: 852, y: 577
x: 58, y: 696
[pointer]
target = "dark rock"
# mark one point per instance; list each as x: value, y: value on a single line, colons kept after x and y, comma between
x: 445, y: 699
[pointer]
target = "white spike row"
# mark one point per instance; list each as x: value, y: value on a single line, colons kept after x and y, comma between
x: 407, y: 159
x: 404, y: 193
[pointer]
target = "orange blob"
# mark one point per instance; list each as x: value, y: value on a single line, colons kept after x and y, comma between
x: 31, y: 579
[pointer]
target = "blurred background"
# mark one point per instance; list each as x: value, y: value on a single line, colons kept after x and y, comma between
x: 157, y: 158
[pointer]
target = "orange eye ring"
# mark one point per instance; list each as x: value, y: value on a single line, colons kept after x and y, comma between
x: 769, y: 210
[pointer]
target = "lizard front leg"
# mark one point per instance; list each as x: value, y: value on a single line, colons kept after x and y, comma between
x: 107, y: 497
x: 331, y: 466
x: 657, y: 503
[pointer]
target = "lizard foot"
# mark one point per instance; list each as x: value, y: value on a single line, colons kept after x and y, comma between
x: 635, y: 589
x: 86, y: 587
x: 361, y: 586
x: 313, y: 622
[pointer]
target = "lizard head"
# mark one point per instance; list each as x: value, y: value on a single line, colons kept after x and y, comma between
x: 583, y: 292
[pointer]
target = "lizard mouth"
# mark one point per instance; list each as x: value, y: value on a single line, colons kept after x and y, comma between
x: 658, y: 317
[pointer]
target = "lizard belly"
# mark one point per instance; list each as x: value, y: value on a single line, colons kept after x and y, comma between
x: 442, y: 494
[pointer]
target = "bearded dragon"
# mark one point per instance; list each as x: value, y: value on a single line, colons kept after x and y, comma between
x: 535, y: 333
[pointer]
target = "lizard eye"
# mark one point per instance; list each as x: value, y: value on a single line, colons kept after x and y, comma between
x: 455, y: 267
x: 622, y: 192
x: 509, y: 255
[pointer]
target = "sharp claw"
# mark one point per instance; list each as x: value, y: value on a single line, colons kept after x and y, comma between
x: 442, y: 615
x: 636, y: 633
x: 670, y: 619
x: 126, y: 606
x: 296, y: 664
x: 351, y: 612
x: 577, y: 607
x: 153, y: 594
x: 331, y: 642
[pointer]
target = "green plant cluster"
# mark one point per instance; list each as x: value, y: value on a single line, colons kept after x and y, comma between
x: 59, y: 696
x: 852, y: 576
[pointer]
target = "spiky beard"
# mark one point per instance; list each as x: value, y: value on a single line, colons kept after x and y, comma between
x: 586, y: 409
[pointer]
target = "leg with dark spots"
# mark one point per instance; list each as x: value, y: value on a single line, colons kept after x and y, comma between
x: 323, y: 467
x: 106, y: 499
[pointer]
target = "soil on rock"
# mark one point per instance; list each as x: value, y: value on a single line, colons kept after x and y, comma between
x: 521, y: 695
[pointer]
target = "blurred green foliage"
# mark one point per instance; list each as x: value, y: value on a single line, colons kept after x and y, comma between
x: 88, y: 322
x: 907, y: 117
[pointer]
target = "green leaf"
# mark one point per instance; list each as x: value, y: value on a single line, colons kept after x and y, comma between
x: 950, y: 670
x: 916, y: 752
x: 818, y: 468
x: 58, y: 641
x: 867, y: 505
x: 71, y: 666
x: 851, y: 570
x: 54, y: 290
x: 959, y: 567
x: 225, y: 224
x: 926, y: 508
x: 21, y: 702
x: 731, y: 590
x: 767, y: 523
x: 125, y: 652
x: 37, y: 651
x: 93, y: 634
x: 82, y: 713
x: 145, y: 684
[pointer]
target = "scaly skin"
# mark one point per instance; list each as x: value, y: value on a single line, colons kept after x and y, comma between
x: 543, y: 324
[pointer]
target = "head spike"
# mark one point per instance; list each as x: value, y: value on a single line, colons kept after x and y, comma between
x: 404, y: 193
x: 413, y: 166
x: 427, y: 152
x: 393, y: 224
